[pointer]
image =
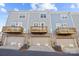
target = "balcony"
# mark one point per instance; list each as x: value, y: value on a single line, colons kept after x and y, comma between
x: 65, y: 30
x: 38, y: 29
x: 12, y: 29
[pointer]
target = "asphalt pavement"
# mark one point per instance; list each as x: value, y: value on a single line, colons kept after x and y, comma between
x: 10, y: 52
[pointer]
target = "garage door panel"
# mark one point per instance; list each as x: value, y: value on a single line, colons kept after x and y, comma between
x: 40, y: 41
x: 65, y: 42
x: 15, y: 41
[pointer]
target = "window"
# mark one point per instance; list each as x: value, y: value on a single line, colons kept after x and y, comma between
x: 22, y: 16
x: 42, y: 24
x: 43, y: 15
x: 16, y: 24
x: 35, y: 24
x: 58, y: 25
x: 19, y: 24
x: 64, y: 25
x: 61, y: 25
x: 13, y: 24
x: 64, y: 16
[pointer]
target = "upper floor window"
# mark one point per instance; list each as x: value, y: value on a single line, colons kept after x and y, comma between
x: 61, y: 25
x: 43, y: 15
x: 22, y: 16
x: 42, y: 24
x: 58, y: 25
x: 64, y: 16
x: 14, y: 24
x: 35, y: 24
x: 64, y: 25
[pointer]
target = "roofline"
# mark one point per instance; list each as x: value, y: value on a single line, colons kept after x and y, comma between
x: 48, y: 11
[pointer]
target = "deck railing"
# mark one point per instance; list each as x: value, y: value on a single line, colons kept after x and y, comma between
x: 38, y: 29
x: 65, y: 30
x: 12, y: 29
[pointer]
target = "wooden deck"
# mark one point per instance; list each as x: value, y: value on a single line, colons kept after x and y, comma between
x: 11, y: 29
x: 38, y: 30
x: 65, y: 30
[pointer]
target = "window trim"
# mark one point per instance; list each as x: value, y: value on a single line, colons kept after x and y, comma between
x: 43, y: 15
x: 37, y: 24
x: 58, y: 25
x: 63, y: 16
x: 22, y: 16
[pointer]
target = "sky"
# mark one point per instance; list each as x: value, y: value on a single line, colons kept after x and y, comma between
x: 5, y: 7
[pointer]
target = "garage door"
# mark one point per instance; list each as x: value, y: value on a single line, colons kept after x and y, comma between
x: 15, y: 41
x: 66, y: 42
x: 43, y: 41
